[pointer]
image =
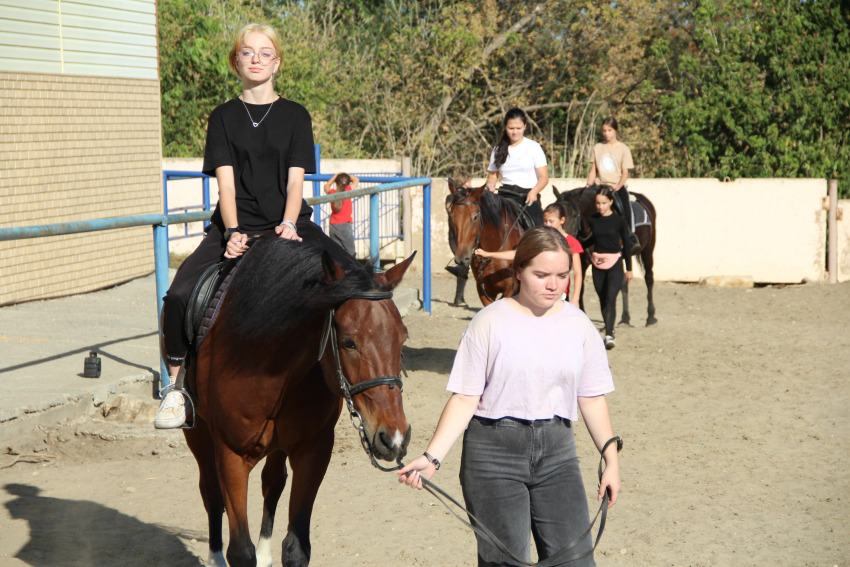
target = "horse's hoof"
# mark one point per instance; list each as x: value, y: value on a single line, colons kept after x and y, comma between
x: 626, y: 323
x: 459, y: 304
x: 651, y: 321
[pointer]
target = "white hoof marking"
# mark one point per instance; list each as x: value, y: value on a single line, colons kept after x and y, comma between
x: 264, y: 552
x: 217, y: 559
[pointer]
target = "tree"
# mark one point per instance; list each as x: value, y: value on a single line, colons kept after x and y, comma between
x: 765, y: 92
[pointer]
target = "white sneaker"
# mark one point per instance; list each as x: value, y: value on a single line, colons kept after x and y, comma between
x: 172, y: 412
x: 609, y: 342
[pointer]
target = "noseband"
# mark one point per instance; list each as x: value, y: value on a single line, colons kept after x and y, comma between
x: 350, y: 390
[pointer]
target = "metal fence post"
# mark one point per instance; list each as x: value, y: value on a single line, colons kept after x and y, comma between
x: 164, y: 193
x: 317, y: 185
x: 375, y: 230
x: 426, y: 248
x: 206, y: 182
x: 160, y: 250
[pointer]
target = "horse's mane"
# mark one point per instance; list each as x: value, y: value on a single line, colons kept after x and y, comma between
x: 280, y: 284
x: 491, y: 205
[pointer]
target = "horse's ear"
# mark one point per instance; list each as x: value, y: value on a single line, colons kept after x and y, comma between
x: 392, y: 277
x: 333, y: 271
x: 452, y: 186
x: 556, y: 192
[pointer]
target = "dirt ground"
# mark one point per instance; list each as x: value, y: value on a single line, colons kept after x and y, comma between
x: 734, y: 411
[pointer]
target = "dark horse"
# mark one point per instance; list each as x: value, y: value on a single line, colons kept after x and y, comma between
x: 481, y: 219
x: 584, y: 200
x: 263, y: 390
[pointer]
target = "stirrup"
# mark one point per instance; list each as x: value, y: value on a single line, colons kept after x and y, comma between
x: 189, y: 405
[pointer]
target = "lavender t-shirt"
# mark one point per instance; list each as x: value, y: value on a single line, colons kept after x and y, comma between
x: 529, y: 367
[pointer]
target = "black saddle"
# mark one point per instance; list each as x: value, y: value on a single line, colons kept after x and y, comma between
x: 512, y: 200
x: 205, y: 299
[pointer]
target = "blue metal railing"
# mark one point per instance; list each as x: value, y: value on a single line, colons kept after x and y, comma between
x: 173, y: 175
x: 160, y: 223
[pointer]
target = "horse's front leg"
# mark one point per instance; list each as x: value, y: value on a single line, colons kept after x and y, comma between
x: 274, y: 481
x: 201, y: 444
x: 233, y: 471
x: 309, y: 462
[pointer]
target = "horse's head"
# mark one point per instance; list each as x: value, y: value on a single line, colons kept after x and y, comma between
x: 369, y: 335
x: 577, y: 203
x: 464, y: 208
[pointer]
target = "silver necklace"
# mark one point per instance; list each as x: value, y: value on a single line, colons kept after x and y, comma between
x: 261, y: 119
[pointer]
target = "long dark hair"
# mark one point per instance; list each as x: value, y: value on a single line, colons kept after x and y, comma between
x: 501, y: 155
x: 612, y: 122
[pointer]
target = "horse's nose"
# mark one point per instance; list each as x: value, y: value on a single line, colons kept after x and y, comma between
x: 393, y: 444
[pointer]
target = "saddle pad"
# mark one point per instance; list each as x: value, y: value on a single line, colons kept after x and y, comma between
x: 640, y: 215
x: 212, y: 308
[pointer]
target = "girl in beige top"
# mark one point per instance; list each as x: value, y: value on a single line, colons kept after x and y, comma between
x: 611, y: 164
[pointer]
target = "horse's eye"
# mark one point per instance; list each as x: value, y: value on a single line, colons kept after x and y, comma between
x: 349, y: 344
x: 475, y: 217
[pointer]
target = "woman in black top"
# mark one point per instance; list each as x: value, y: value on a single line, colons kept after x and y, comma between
x: 610, y: 231
x: 259, y: 147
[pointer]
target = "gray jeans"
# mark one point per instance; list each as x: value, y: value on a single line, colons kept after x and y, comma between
x: 343, y: 233
x: 522, y: 478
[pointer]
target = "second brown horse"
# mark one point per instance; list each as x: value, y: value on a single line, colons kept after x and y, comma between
x: 481, y: 219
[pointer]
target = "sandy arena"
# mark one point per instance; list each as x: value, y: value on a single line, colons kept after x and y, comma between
x: 734, y: 411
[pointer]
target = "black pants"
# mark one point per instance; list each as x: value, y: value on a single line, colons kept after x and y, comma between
x: 534, y: 211
x: 625, y: 206
x: 209, y: 252
x: 608, y: 284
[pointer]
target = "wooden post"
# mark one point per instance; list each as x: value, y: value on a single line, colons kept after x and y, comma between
x: 406, y: 210
x: 832, y: 227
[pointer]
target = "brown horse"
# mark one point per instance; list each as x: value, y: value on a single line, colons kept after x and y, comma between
x: 481, y: 219
x: 267, y: 387
x: 583, y: 200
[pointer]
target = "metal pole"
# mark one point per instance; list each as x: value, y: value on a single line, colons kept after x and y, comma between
x: 164, y: 193
x: 832, y: 227
x: 375, y: 230
x: 160, y: 250
x: 426, y: 248
x: 317, y: 185
x: 206, y: 183
x: 406, y: 210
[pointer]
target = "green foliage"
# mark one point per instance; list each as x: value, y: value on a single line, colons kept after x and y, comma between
x: 738, y: 88
x: 766, y: 92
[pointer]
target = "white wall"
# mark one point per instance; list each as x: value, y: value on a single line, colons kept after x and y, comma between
x: 771, y: 229
x: 844, y: 241
x: 103, y: 38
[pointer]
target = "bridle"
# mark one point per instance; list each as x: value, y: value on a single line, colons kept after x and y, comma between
x: 484, y: 261
x: 350, y: 390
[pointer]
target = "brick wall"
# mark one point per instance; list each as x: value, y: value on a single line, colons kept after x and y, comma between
x: 76, y: 148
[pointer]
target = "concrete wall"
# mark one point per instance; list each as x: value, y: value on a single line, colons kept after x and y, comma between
x: 844, y: 241
x: 76, y: 148
x: 771, y: 229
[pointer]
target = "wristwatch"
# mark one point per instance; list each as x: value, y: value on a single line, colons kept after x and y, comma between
x: 230, y: 232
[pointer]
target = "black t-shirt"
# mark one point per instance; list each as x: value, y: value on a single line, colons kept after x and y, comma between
x: 607, y: 233
x: 260, y: 157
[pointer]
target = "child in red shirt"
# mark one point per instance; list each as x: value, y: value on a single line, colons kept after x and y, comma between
x: 555, y: 216
x: 341, y: 224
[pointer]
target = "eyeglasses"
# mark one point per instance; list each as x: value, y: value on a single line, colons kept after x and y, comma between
x: 266, y: 57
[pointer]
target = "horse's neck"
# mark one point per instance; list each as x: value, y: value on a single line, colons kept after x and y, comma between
x: 493, y: 237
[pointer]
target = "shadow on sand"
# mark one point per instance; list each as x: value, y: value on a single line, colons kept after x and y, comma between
x: 77, y: 533
x: 429, y: 359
